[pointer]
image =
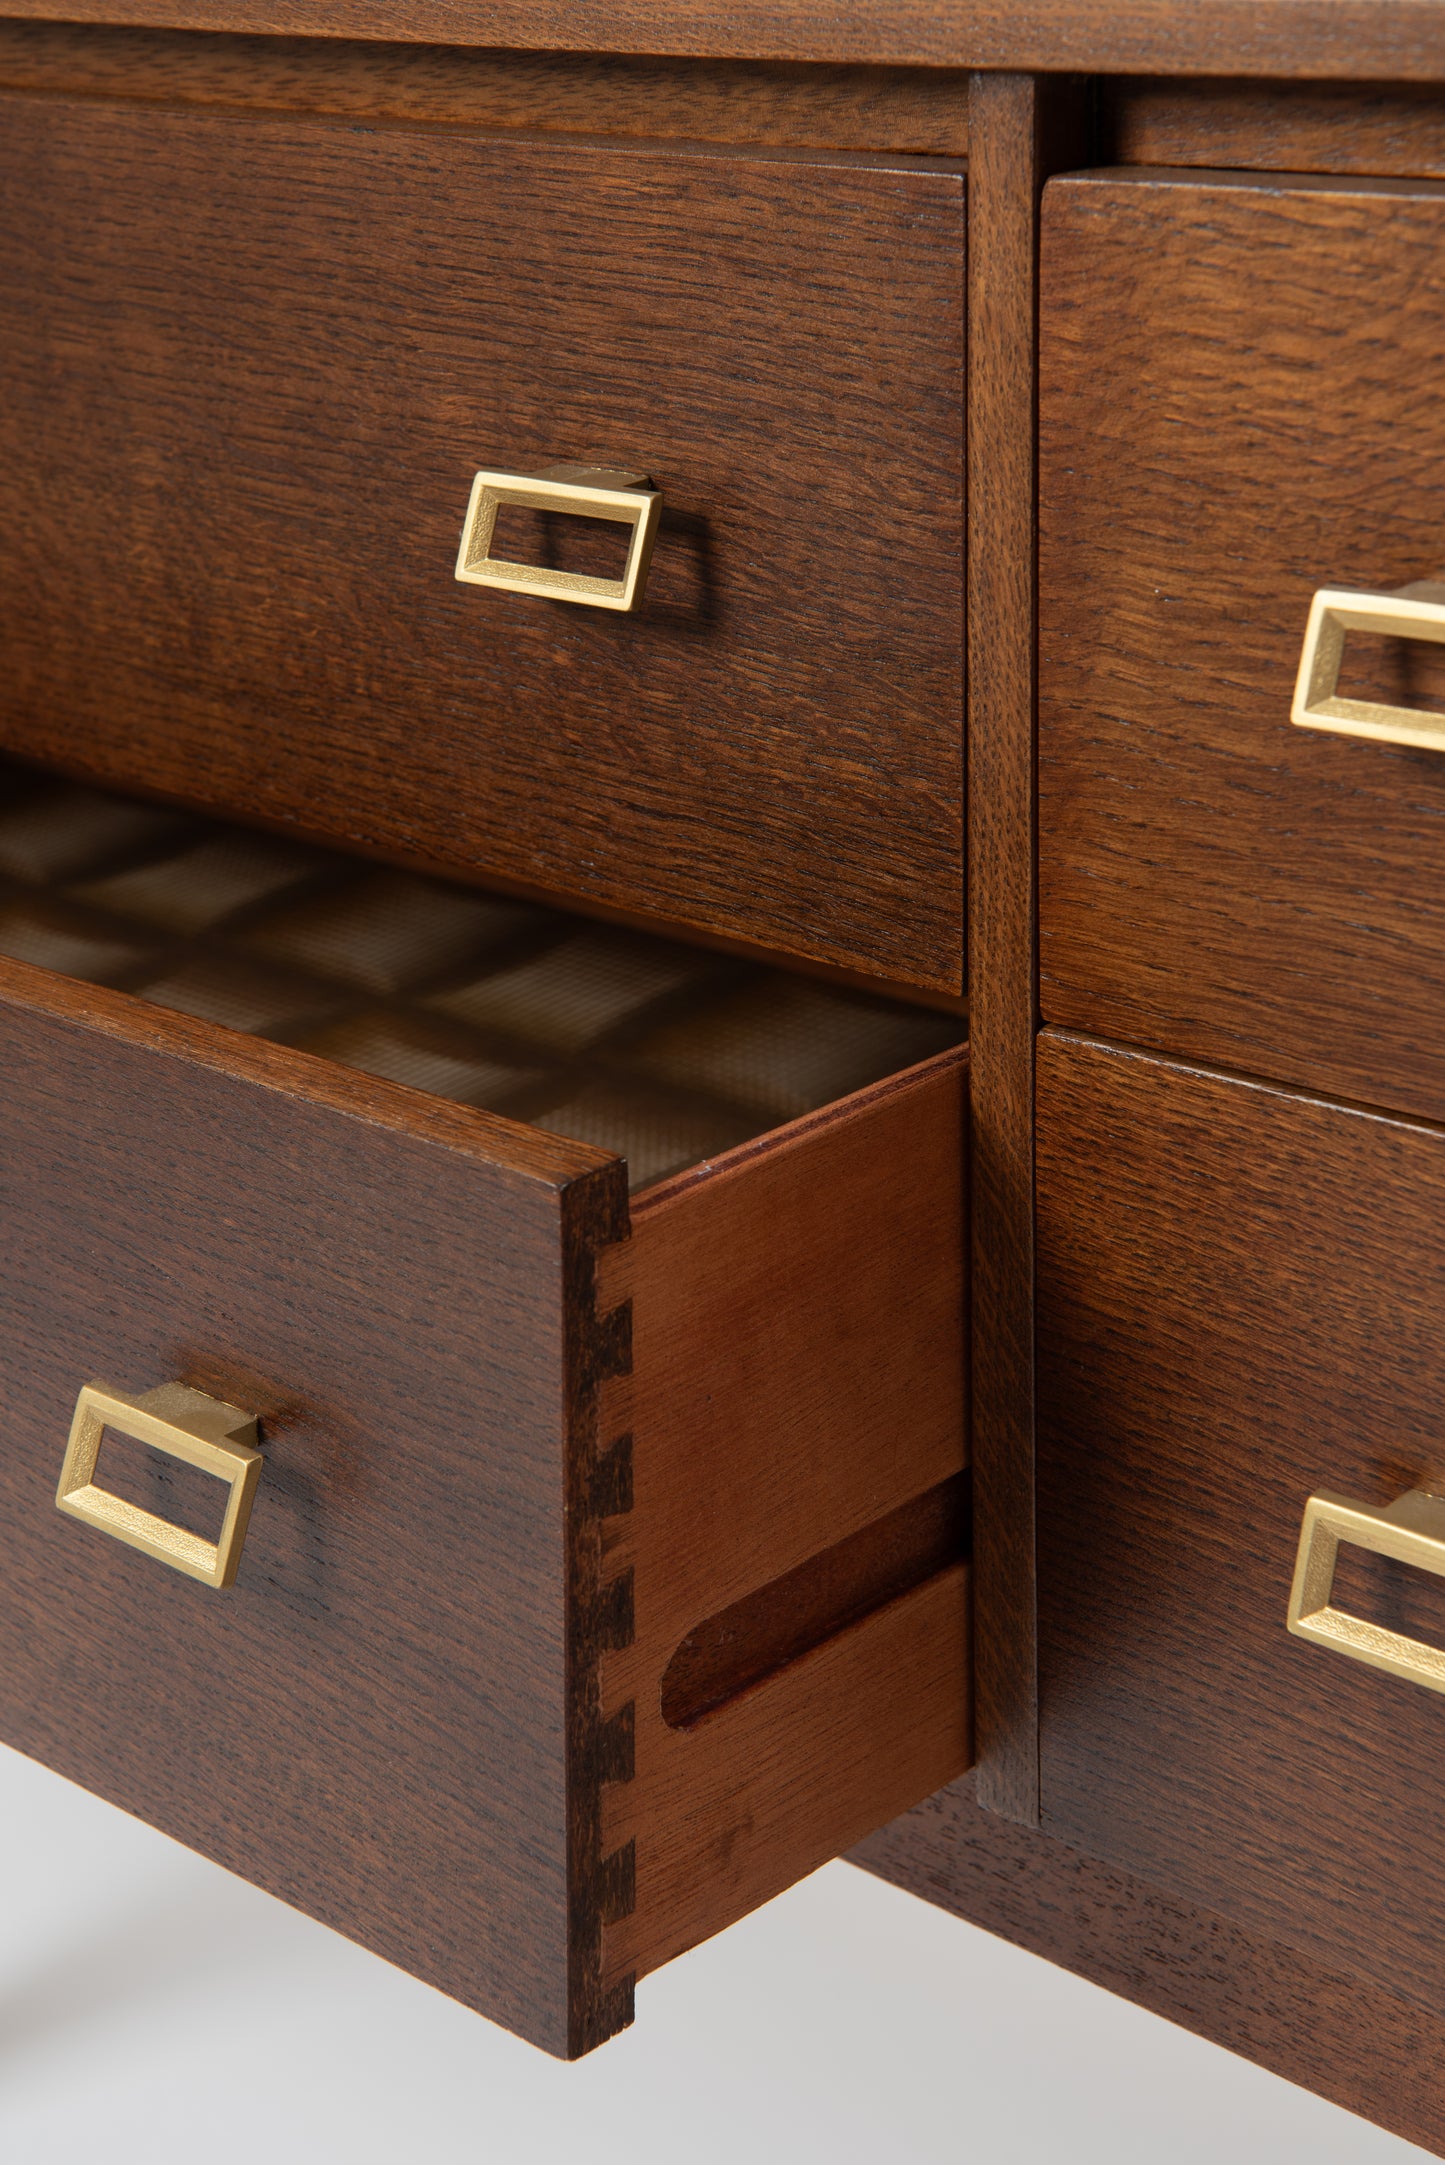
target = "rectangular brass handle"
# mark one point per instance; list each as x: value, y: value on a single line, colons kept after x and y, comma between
x: 1413, y: 612
x: 590, y: 492
x: 1411, y: 1531
x: 188, y: 1425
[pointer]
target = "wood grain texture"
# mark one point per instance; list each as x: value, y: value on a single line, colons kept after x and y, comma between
x: 783, y: 105
x: 273, y: 420
x: 1376, y: 128
x: 798, y: 1330
x: 794, y: 1772
x: 385, y: 1722
x: 1240, y: 1292
x: 1003, y: 191
x: 1314, y: 38
x: 1230, y: 419
x: 1365, y: 2049
x: 512, y: 1458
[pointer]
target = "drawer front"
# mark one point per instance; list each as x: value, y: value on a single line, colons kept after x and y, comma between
x: 373, y: 1722
x: 248, y: 368
x: 1240, y: 1299
x: 604, y: 1574
x: 1235, y: 415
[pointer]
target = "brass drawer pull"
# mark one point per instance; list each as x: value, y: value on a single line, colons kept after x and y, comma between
x: 1411, y: 1531
x: 188, y: 1425
x: 589, y: 492
x: 1412, y: 612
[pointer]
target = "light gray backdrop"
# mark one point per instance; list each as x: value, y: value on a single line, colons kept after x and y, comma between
x: 154, y: 2011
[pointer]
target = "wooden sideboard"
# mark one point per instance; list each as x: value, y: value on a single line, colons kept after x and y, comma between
x: 925, y: 1435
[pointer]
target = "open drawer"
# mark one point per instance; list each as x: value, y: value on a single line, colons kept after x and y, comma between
x: 606, y: 1565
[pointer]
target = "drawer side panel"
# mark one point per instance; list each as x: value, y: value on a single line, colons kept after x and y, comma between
x: 799, y: 1380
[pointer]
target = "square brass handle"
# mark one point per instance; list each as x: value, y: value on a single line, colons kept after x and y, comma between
x: 188, y: 1425
x: 1413, y: 612
x: 589, y: 492
x: 1411, y: 1531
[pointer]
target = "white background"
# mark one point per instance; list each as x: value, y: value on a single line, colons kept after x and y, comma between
x: 155, y: 2011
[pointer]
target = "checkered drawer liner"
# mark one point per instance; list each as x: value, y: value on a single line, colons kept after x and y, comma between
x: 666, y: 1054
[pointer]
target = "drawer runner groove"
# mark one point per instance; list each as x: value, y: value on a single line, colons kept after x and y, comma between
x: 790, y: 1616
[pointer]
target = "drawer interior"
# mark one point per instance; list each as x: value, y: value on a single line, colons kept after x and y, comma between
x: 664, y: 1053
x: 339, y: 1146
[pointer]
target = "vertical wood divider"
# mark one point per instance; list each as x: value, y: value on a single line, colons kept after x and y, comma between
x: 1014, y: 122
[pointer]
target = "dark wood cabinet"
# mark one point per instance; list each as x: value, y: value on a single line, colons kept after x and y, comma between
x: 901, y: 1434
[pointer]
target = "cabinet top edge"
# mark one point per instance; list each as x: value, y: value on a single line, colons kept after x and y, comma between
x: 1341, y: 40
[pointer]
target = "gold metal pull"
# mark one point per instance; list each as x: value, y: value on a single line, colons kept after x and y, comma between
x: 589, y: 492
x: 188, y: 1425
x: 1412, y: 612
x: 1411, y: 1531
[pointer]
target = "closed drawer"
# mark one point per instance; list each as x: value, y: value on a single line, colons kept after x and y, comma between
x: 605, y: 1571
x: 1232, y: 421
x: 248, y: 369
x: 1240, y: 1294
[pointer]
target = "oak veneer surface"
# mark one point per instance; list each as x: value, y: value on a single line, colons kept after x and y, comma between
x: 236, y: 446
x: 1003, y: 198
x: 384, y: 1721
x: 1320, y: 38
x: 1240, y: 1292
x: 1232, y: 417
x: 779, y: 105
x: 1384, y: 128
x: 1368, y: 2050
